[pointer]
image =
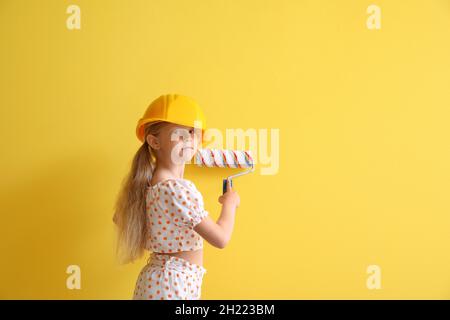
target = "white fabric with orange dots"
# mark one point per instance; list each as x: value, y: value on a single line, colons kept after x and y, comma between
x: 174, y: 207
x: 167, y: 277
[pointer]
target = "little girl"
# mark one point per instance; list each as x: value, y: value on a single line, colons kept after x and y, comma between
x: 160, y: 211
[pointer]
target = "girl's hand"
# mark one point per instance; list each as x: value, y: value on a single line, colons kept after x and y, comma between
x: 230, y: 197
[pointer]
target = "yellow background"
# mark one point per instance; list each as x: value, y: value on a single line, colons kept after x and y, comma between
x: 364, y: 175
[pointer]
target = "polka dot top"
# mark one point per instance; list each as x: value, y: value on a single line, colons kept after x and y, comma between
x: 174, y: 207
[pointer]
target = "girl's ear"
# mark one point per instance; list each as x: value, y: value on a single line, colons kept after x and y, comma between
x: 153, y: 141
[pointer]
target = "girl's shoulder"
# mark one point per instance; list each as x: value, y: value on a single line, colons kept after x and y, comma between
x: 174, y: 184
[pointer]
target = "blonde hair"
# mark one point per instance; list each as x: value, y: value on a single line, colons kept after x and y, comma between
x: 130, y: 208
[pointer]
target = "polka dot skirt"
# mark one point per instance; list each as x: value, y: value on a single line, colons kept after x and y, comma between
x: 167, y: 277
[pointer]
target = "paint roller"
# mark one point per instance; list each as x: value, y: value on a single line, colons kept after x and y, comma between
x: 225, y: 159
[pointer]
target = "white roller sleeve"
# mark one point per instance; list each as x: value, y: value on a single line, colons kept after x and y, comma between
x: 223, y: 158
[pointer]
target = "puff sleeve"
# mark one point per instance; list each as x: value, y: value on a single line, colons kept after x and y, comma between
x: 183, y: 202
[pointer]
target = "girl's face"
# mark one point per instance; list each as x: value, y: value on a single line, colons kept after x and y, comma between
x: 178, y: 143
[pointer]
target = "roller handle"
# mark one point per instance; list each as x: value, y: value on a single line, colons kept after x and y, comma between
x: 225, y: 185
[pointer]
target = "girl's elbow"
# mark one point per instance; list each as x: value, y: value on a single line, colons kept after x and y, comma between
x: 222, y: 243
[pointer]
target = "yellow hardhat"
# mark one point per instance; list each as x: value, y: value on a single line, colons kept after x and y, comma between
x: 174, y: 108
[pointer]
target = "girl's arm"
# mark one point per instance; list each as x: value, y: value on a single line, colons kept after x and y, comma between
x: 219, y: 234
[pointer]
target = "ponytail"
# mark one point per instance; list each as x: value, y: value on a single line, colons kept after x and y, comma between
x: 130, y: 208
